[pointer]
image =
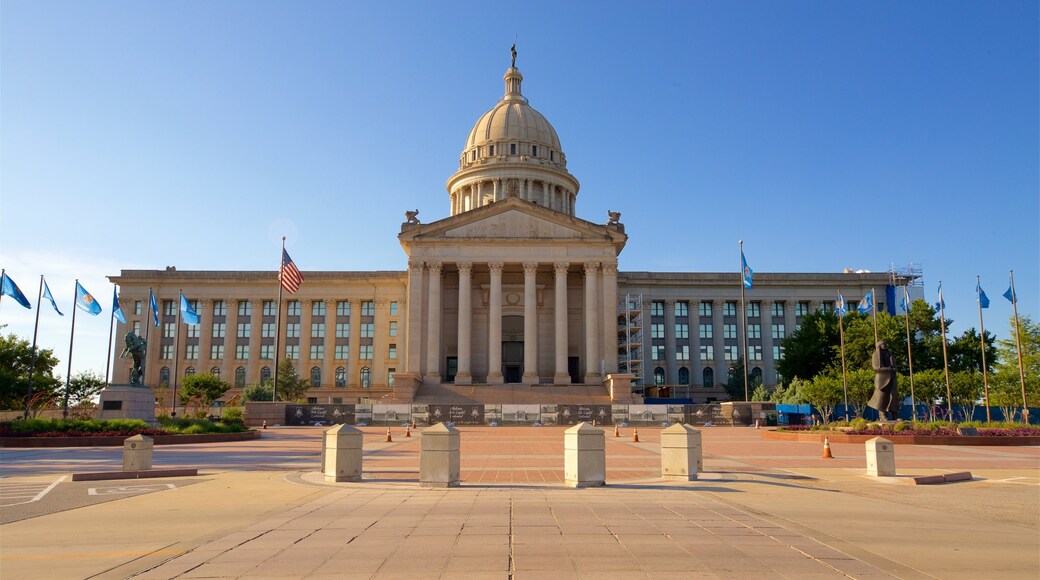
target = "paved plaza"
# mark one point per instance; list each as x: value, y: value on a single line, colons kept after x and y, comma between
x: 261, y: 509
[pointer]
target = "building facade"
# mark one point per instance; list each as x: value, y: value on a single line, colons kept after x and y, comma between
x: 511, y: 288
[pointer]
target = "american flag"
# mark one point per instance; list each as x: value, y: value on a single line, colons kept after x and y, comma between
x: 289, y: 275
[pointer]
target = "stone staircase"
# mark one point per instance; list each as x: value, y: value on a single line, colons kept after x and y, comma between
x: 513, y: 394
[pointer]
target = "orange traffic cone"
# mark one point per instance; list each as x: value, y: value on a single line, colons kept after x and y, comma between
x: 635, y: 435
x: 413, y: 423
x: 389, y: 439
x: 407, y: 432
x: 616, y: 432
x: 756, y: 423
x: 827, y: 448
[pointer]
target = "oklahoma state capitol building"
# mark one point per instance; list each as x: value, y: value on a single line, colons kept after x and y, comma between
x: 511, y: 288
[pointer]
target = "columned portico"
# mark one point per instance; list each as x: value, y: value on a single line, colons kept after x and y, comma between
x: 561, y: 376
x: 530, y: 323
x: 494, y: 375
x: 465, y: 373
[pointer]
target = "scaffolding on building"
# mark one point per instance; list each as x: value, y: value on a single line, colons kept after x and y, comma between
x: 630, y: 337
x: 910, y: 275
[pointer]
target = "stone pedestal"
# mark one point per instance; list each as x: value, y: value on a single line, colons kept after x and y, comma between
x: 439, y: 459
x: 881, y: 457
x: 341, y: 454
x: 137, y: 453
x: 584, y: 456
x: 619, y: 385
x: 681, y: 456
x: 405, y: 386
x: 127, y: 402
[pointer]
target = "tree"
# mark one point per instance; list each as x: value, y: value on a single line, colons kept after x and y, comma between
x: 966, y: 390
x: 290, y: 385
x: 824, y: 391
x: 860, y: 343
x: 83, y: 387
x: 861, y: 387
x: 810, y: 349
x: 965, y: 352
x: 1006, y: 383
x: 761, y: 393
x: 259, y: 392
x: 200, y: 390
x: 930, y: 389
x: 15, y: 360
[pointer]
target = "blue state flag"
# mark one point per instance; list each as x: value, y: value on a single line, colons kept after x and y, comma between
x: 85, y: 301
x: 187, y: 312
x: 941, y: 304
x: 9, y: 288
x: 1010, y: 295
x: 116, y: 310
x: 867, y: 304
x: 745, y: 271
x: 47, y: 294
x: 840, y: 306
x: 155, y: 307
x: 983, y: 299
x: 904, y: 303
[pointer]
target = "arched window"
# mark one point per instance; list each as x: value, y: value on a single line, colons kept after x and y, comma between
x: 265, y: 374
x: 341, y: 377
x: 315, y: 377
x: 240, y: 377
x: 756, y: 373
x: 215, y: 371
x: 684, y: 376
x: 366, y: 377
x: 709, y: 377
x: 659, y: 376
x: 164, y: 376
x: 189, y: 371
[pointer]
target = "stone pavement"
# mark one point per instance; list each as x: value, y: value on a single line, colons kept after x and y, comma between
x: 762, y: 508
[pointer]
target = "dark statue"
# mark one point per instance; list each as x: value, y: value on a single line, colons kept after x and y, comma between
x: 410, y: 216
x: 135, y: 347
x: 512, y: 51
x: 886, y: 392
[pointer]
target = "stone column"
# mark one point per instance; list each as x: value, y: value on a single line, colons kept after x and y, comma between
x: 480, y: 195
x: 768, y: 364
x: 530, y: 323
x: 354, y: 343
x: 592, y: 332
x: 671, y: 368
x: 464, y: 375
x: 205, y: 334
x: 305, y: 341
x: 433, y: 336
x: 609, y: 309
x: 494, y: 376
x: 545, y: 195
x: 413, y: 360
x: 561, y: 377
x: 530, y: 189
x: 256, y: 337
x: 719, y: 361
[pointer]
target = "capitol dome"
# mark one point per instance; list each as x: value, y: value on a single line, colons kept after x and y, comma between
x: 512, y: 151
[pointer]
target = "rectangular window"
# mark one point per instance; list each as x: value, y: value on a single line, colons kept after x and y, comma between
x: 393, y: 328
x: 657, y: 308
x: 368, y: 308
x: 657, y: 352
x: 705, y: 309
x: 755, y: 352
x: 242, y: 352
x: 512, y: 148
x: 367, y: 330
x: 682, y: 331
x: 754, y: 309
x: 219, y: 308
x: 267, y: 330
x: 778, y: 309
x: 166, y: 351
x: 292, y: 308
x: 801, y: 309
x: 216, y: 351
x: 656, y: 331
x: 342, y: 351
x: 366, y: 352
x: 393, y: 308
x: 682, y: 308
x: 534, y: 151
x: 778, y: 331
x: 706, y: 331
x: 243, y: 330
x: 269, y: 309
x: 219, y: 329
x: 729, y: 309
x: 682, y: 353
x: 192, y: 331
x: 168, y: 329
x: 245, y: 308
x: 342, y: 308
x: 137, y: 327
x: 754, y: 331
x: 318, y: 330
x: 318, y: 308
x: 491, y: 150
x: 292, y: 330
x: 342, y: 330
x: 393, y: 352
x: 137, y: 307
x: 317, y: 352
x: 191, y: 351
x: 730, y: 352
x: 729, y: 331
x: 292, y: 351
x: 707, y: 352
x: 390, y: 377
x: 168, y: 308
x: 828, y: 307
x: 778, y: 352
x: 267, y: 351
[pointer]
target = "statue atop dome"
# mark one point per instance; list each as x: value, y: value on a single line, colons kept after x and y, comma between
x: 512, y: 52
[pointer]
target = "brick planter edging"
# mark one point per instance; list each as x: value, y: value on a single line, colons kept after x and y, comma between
x: 838, y: 437
x: 117, y: 441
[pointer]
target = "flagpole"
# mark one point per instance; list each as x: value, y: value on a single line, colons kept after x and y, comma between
x: 743, y: 317
x: 72, y: 338
x: 278, y: 324
x: 909, y: 352
x: 844, y: 380
x: 1018, y: 340
x: 946, y: 358
x: 176, y: 351
x: 982, y: 339
x: 3, y: 273
x: 111, y: 331
x: 32, y: 358
x: 149, y: 321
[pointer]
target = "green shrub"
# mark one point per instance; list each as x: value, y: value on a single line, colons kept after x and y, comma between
x: 902, y: 426
x: 859, y: 423
x: 232, y: 414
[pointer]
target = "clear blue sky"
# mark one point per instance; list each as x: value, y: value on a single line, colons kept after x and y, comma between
x: 824, y: 134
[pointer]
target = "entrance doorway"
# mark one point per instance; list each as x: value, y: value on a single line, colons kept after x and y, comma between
x: 513, y: 348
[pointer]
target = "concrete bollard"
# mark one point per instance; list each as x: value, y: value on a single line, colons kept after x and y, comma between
x: 584, y: 456
x: 681, y: 455
x: 439, y: 457
x: 881, y: 457
x: 341, y: 454
x: 137, y: 453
